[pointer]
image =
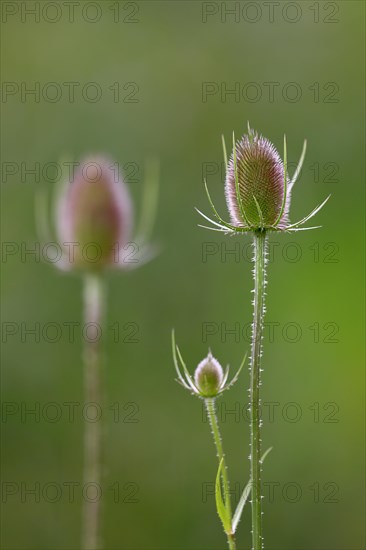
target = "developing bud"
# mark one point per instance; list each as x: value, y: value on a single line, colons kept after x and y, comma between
x: 209, y: 379
x: 95, y: 215
x: 209, y: 376
x: 255, y: 184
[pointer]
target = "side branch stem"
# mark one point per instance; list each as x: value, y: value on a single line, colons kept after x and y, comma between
x: 211, y: 413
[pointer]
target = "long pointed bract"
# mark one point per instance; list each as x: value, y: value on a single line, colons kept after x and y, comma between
x: 284, y: 182
x: 223, y: 230
x: 294, y: 229
x: 180, y: 377
x: 223, y: 222
x: 299, y: 167
x: 236, y: 376
x: 186, y: 371
x: 315, y: 211
x: 224, y: 150
x: 237, y: 189
x: 226, y: 226
x: 260, y: 214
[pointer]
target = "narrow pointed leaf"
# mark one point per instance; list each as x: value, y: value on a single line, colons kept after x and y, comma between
x: 220, y: 505
x: 265, y: 454
x: 245, y: 495
x: 241, y: 504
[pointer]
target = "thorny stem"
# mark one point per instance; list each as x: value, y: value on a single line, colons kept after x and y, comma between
x: 93, y: 313
x: 211, y: 413
x: 260, y: 243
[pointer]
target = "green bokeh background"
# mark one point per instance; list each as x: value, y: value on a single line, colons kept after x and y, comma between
x: 168, y: 453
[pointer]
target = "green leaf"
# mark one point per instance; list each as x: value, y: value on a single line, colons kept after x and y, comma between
x: 241, y: 504
x: 245, y: 495
x: 220, y: 505
x: 265, y: 454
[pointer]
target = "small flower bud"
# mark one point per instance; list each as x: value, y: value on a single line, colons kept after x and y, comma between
x: 260, y: 175
x: 95, y: 215
x: 209, y: 377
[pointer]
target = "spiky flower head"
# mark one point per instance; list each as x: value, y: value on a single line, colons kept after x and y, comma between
x: 257, y: 188
x: 208, y: 376
x: 255, y: 184
x: 95, y: 214
x: 209, y: 379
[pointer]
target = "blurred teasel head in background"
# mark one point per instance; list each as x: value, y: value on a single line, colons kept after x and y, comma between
x: 94, y: 218
x: 95, y: 210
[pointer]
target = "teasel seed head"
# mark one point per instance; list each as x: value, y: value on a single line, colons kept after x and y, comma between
x: 257, y: 189
x: 255, y: 184
x: 95, y: 210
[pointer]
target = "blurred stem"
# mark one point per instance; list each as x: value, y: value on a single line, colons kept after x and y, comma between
x: 260, y: 243
x: 93, y: 315
x: 211, y: 413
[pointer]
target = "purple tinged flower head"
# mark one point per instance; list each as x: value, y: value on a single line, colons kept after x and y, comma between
x: 209, y: 377
x: 95, y: 214
x: 255, y: 184
x: 257, y: 189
